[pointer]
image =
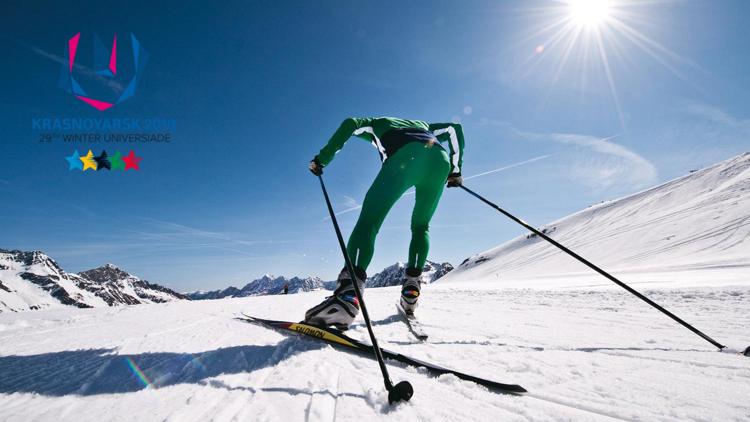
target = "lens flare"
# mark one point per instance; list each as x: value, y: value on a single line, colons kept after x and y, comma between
x: 138, y: 372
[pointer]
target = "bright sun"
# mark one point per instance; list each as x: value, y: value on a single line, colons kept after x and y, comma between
x: 581, y: 42
x: 589, y: 13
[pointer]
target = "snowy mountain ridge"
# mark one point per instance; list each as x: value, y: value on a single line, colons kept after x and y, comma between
x: 698, y: 221
x: 266, y: 285
x: 394, y: 274
x: 33, y: 280
x: 116, y: 286
x: 272, y: 285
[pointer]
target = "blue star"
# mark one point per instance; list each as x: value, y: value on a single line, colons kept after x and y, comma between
x: 74, y: 161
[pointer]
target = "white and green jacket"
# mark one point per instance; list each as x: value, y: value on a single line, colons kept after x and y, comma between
x: 373, y: 129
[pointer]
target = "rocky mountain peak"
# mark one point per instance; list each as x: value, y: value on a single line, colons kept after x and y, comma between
x: 32, y: 280
x: 107, y: 273
x: 393, y: 275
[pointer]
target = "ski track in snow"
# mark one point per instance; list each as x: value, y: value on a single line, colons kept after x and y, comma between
x: 582, y: 354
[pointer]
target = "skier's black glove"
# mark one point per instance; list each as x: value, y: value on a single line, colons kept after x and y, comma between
x: 315, y: 167
x: 455, y: 180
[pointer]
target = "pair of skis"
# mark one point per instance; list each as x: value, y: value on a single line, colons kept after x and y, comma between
x: 340, y: 340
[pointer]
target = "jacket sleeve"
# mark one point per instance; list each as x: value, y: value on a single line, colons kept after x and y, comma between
x: 454, y: 134
x: 339, y: 138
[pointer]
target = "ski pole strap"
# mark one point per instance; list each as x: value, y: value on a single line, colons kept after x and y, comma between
x: 596, y: 268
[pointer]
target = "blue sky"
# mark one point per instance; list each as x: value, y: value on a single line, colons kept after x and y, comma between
x: 257, y: 88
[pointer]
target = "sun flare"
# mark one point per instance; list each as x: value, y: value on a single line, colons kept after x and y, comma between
x: 589, y: 13
x: 585, y: 43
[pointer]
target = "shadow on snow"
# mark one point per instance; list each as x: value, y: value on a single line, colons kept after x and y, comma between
x: 102, y: 371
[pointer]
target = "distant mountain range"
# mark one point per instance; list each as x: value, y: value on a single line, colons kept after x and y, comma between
x: 266, y: 285
x: 33, y: 280
x: 270, y: 285
x: 394, y: 275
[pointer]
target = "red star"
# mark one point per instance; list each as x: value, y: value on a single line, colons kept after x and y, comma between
x: 131, y: 161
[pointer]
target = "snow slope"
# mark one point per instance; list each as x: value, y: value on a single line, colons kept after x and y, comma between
x: 583, y: 355
x: 697, y: 222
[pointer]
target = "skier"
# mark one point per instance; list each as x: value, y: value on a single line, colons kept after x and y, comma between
x: 412, y: 157
x: 286, y: 288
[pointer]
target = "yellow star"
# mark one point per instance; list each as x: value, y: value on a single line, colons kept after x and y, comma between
x: 88, y: 161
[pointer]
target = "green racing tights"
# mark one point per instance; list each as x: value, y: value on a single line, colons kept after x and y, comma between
x: 422, y: 166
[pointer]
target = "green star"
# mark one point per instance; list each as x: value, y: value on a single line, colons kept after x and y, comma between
x: 116, y: 161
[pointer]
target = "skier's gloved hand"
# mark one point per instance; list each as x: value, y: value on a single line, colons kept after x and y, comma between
x: 315, y: 167
x: 455, y: 180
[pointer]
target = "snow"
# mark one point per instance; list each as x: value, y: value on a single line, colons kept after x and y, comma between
x: 582, y: 354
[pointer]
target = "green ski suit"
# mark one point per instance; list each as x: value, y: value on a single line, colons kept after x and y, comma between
x: 411, y: 158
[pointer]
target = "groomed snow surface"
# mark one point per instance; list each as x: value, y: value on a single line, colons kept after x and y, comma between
x: 584, y: 353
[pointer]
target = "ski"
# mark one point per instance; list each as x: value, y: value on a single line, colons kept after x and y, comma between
x: 339, y: 339
x: 412, y: 322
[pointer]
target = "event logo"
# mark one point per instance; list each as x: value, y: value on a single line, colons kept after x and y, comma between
x: 102, y: 75
x: 111, y: 80
x: 117, y: 161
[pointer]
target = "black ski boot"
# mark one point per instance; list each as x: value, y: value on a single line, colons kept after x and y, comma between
x: 410, y: 290
x: 340, y: 309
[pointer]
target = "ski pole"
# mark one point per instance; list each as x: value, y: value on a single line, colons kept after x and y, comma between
x: 403, y: 390
x: 597, y: 269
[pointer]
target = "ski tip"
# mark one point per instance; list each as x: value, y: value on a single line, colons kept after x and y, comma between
x: 512, y: 389
x: 521, y: 390
x: 747, y: 352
